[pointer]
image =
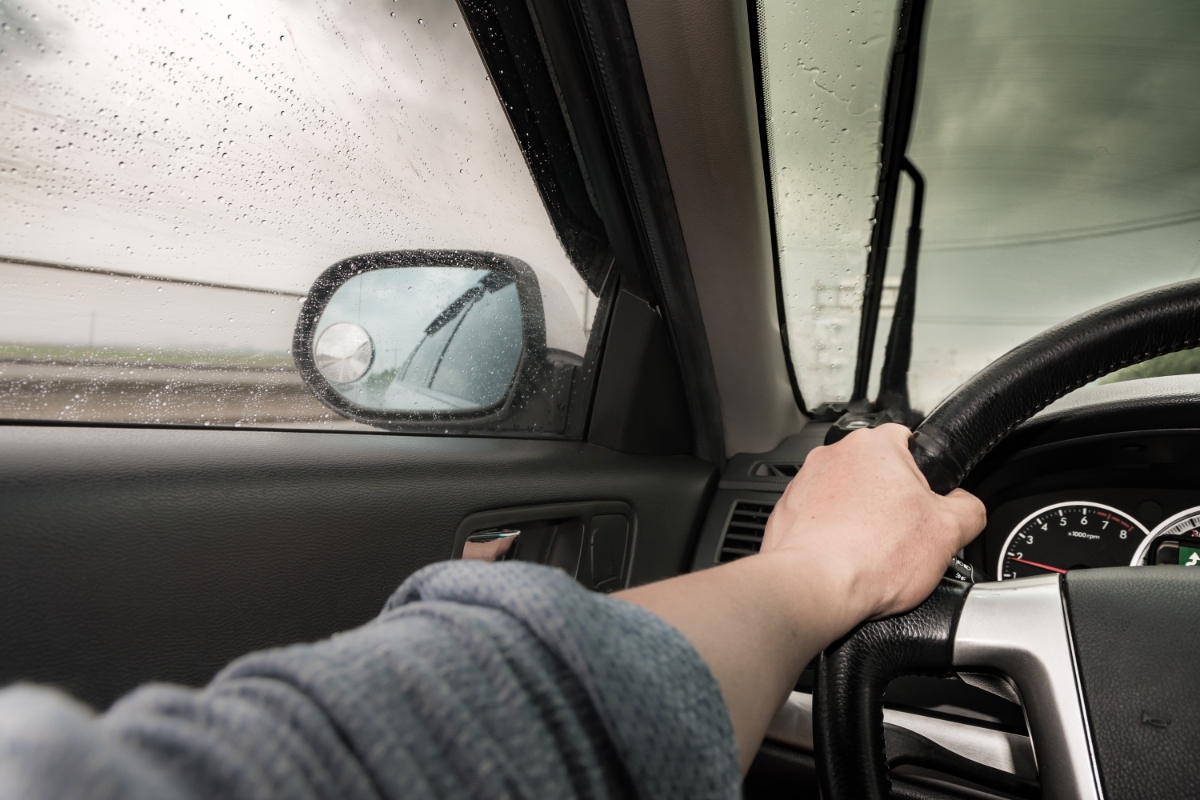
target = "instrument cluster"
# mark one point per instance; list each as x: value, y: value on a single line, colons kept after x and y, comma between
x: 1084, y: 533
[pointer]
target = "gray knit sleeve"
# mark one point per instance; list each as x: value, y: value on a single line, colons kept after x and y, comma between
x: 477, y: 680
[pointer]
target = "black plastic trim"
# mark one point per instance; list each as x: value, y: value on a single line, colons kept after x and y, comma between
x: 590, y: 81
x: 507, y: 41
x: 583, y: 392
x: 712, y: 534
x: 567, y: 515
x: 779, y: 772
x: 583, y: 112
x: 616, y: 70
x: 639, y: 405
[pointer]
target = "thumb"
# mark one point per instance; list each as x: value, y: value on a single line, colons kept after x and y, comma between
x: 968, y: 513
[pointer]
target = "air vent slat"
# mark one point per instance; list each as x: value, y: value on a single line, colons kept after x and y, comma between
x: 743, y: 533
x: 766, y: 470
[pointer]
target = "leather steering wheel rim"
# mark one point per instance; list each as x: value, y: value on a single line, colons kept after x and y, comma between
x: 979, y: 414
x: 853, y: 673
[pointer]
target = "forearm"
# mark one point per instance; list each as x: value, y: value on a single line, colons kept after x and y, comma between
x: 856, y: 535
x: 477, y: 680
x: 756, y: 623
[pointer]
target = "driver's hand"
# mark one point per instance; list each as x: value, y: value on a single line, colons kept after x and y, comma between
x: 862, y: 512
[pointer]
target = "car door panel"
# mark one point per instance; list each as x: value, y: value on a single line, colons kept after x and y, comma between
x: 136, y: 554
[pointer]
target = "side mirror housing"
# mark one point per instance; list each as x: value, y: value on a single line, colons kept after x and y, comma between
x: 403, y: 339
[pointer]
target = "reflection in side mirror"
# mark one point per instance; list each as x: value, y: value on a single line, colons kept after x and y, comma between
x: 421, y: 335
x: 469, y: 353
x: 344, y: 352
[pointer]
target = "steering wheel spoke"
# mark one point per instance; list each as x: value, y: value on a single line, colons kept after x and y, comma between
x: 1019, y: 629
x: 1102, y: 661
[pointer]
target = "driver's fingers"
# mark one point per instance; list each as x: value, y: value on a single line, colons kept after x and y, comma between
x: 896, y: 431
x: 968, y: 512
x: 899, y: 435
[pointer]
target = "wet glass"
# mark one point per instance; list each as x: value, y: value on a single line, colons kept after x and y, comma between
x: 824, y: 70
x: 1062, y: 169
x: 1058, y: 144
x: 175, y: 176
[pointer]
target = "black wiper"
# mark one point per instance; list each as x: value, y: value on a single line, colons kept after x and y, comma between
x: 892, y: 403
x: 491, y: 282
x: 897, y: 356
x: 897, y: 124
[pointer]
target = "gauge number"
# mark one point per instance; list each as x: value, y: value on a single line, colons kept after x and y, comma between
x: 1065, y: 536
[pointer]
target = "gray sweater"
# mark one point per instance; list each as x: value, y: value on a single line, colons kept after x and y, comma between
x: 476, y: 680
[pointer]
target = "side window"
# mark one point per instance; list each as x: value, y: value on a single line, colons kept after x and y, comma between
x: 180, y: 182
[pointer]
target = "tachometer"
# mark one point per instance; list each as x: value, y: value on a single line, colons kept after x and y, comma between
x: 1176, y: 540
x: 1070, y: 536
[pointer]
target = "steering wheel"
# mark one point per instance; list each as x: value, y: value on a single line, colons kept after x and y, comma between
x: 1102, y: 659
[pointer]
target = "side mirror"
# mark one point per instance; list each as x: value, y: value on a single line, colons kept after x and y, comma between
x: 422, y: 336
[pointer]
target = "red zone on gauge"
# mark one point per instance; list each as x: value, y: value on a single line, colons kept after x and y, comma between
x: 1071, y: 535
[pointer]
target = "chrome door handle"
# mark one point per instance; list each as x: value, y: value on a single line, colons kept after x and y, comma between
x: 493, y: 545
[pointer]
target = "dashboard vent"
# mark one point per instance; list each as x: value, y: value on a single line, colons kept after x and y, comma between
x: 765, y: 470
x: 744, y: 532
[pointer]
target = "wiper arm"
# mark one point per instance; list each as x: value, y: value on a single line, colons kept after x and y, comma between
x: 892, y: 403
x: 899, y: 105
x: 893, y: 379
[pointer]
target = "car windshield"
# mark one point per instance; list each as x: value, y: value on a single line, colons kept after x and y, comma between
x: 1059, y: 151
x: 173, y: 178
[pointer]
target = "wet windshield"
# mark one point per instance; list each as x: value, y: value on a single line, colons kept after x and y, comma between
x: 173, y: 177
x: 1062, y: 167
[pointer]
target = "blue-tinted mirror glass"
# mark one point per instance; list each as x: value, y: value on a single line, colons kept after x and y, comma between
x: 436, y: 338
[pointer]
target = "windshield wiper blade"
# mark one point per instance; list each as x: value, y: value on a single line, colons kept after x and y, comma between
x: 897, y: 356
x: 892, y: 404
x: 899, y: 105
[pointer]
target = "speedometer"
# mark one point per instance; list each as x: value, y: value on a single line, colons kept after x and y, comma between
x: 1175, y: 541
x: 1067, y: 536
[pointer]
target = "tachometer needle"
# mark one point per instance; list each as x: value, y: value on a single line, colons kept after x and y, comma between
x: 1040, y: 566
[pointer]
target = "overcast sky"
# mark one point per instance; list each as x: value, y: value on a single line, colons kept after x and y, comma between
x: 247, y: 143
x: 1059, y: 142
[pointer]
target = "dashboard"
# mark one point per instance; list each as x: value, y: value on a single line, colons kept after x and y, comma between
x: 1113, y: 527
x: 1073, y: 490
x: 1107, y: 477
